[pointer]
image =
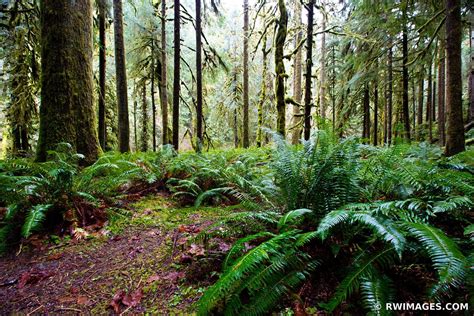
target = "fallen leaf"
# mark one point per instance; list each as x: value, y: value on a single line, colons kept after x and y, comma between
x: 83, y: 300
x: 173, y: 276
x: 66, y: 299
x: 133, y: 299
x: 153, y: 278
x: 32, y: 277
x: 196, y: 250
x: 115, y: 303
x: 55, y: 256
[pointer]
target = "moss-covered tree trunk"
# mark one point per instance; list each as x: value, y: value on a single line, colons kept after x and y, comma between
x: 102, y: 128
x: 376, y: 114
x: 280, y: 73
x: 297, y: 91
x: 441, y: 95
x: 67, y: 110
x: 152, y: 93
x: 455, y: 128
x: 308, y: 71
x: 121, y: 79
x: 199, y: 118
x: 263, y: 91
x: 470, y: 108
x: 176, y: 78
x: 389, y: 95
x: 163, y: 79
x: 245, y: 116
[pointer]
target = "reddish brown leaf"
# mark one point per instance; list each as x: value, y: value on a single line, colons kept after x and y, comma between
x: 115, y: 304
x: 153, y: 278
x: 83, y: 300
x: 133, y: 299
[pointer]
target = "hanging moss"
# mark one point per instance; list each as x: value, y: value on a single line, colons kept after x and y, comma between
x: 282, y: 31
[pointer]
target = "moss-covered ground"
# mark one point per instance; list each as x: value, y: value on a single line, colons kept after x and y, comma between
x: 151, y: 258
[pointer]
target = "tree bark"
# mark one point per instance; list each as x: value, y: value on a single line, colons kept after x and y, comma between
x: 441, y: 95
x: 366, y: 120
x: 406, y: 111
x: 102, y: 129
x: 322, y: 80
x: 121, y: 79
x: 245, y: 134
x: 144, y: 138
x: 163, y: 79
x: 199, y: 118
x: 390, y: 95
x: 419, y: 119
x: 280, y: 73
x: 470, y: 109
x: 176, y: 78
x: 309, y: 65
x: 263, y: 91
x: 135, y: 133
x: 152, y: 92
x: 429, y: 104
x: 67, y: 111
x: 376, y: 113
x: 455, y: 141
x: 297, y: 67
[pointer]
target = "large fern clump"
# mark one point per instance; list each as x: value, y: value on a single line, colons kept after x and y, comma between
x: 375, y: 211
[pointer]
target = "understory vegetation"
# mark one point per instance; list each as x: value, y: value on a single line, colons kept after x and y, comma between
x: 331, y: 225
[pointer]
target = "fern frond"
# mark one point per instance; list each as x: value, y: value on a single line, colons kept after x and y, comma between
x: 34, y: 219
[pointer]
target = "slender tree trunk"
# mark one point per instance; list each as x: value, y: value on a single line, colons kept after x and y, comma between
x: 470, y: 109
x: 419, y: 119
x: 280, y: 73
x: 263, y: 91
x: 245, y: 136
x: 309, y: 65
x: 333, y: 89
x: 102, y: 73
x: 429, y: 104
x: 163, y: 79
x: 152, y: 92
x: 199, y: 118
x: 177, y: 67
x: 322, y: 90
x: 413, y: 98
x: 135, y: 132
x: 236, y: 130
x: 297, y: 91
x: 441, y: 94
x: 406, y: 111
x: 144, y: 138
x: 455, y: 128
x: 376, y: 113
x: 67, y: 110
x: 366, y: 121
x: 390, y: 95
x: 434, y: 94
x: 121, y: 77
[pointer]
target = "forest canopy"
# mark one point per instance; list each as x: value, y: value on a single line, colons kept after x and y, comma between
x: 297, y: 156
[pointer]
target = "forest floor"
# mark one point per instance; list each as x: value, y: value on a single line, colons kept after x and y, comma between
x: 152, y: 261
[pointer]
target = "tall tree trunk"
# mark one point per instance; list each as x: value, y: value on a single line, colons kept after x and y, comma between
x: 333, y: 89
x: 434, y: 94
x: 144, y: 138
x: 309, y: 65
x: 121, y: 77
x: 245, y: 136
x: 102, y: 73
x: 419, y: 118
x: 441, y: 94
x: 280, y: 73
x: 366, y: 121
x: 455, y: 141
x: 263, y: 91
x: 163, y: 79
x: 176, y: 78
x: 470, y: 108
x: 236, y: 130
x: 390, y: 95
x: 406, y: 111
x: 376, y: 113
x: 67, y: 110
x: 322, y: 80
x: 297, y: 91
x: 152, y: 92
x: 135, y: 132
x: 429, y: 104
x: 199, y: 118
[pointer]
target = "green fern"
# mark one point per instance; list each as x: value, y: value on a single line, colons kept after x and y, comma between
x: 34, y: 219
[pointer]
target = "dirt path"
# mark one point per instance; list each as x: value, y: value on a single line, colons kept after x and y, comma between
x: 149, y: 263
